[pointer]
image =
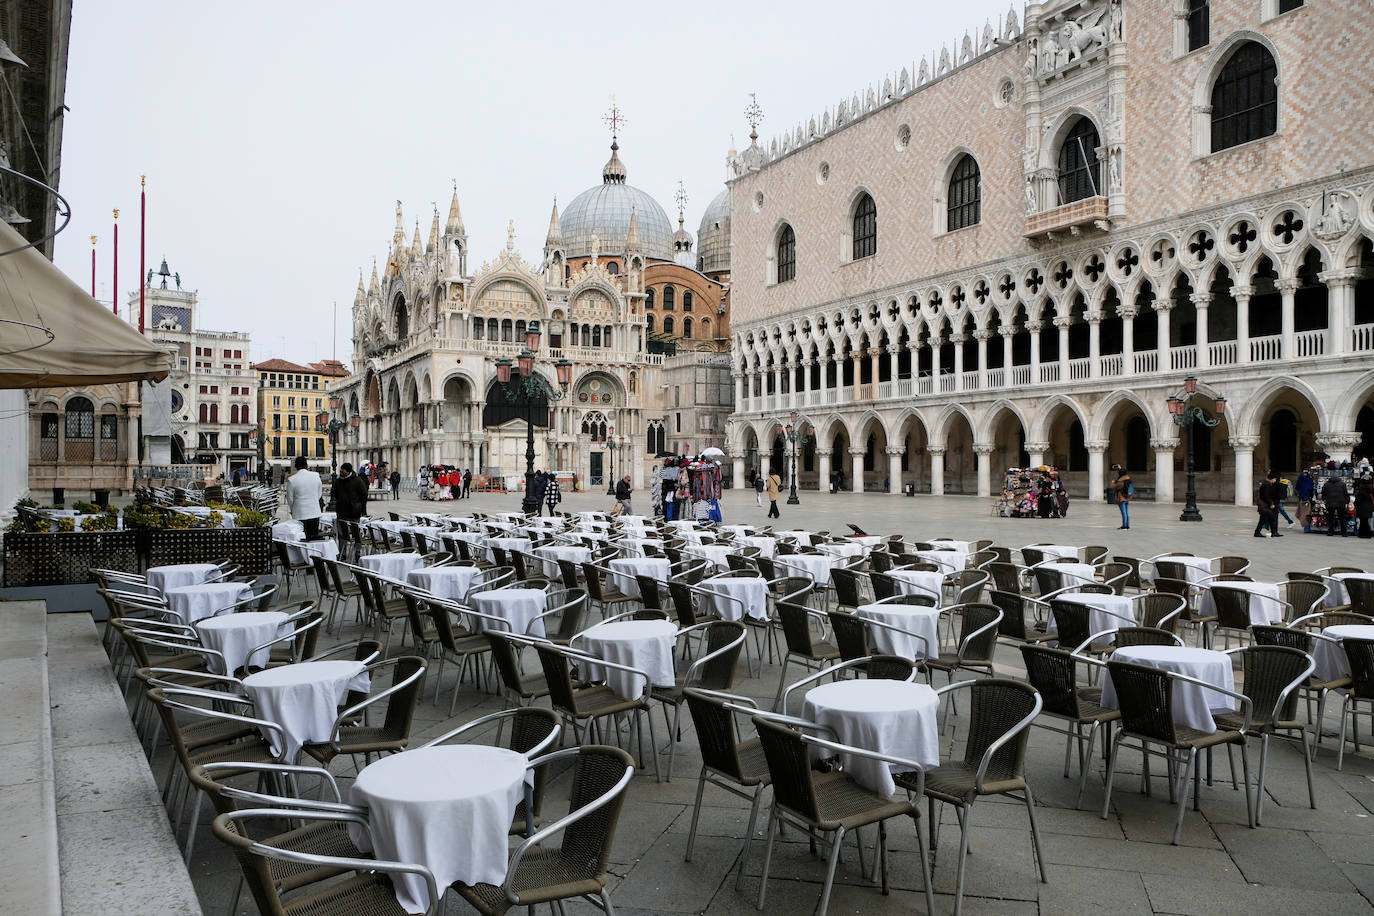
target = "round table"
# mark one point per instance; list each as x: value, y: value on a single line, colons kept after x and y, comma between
x: 1265, y: 603
x: 304, y: 699
x: 551, y: 556
x: 1195, y: 569
x: 235, y: 635
x: 517, y: 606
x: 1330, y: 657
x: 801, y: 537
x: 914, y: 620
x: 447, y: 808
x: 179, y: 574
x: 624, y: 570
x: 716, y: 553
x: 1059, y: 551
x: 507, y: 544
x: 643, y: 644
x: 288, y: 531
x: 196, y: 602
x: 303, y: 551
x: 1072, y: 575
x: 1105, y: 612
x: 890, y: 717
x: 844, y: 549
x: 392, y: 565
x: 815, y: 565
x: 1338, y: 594
x: 919, y: 582
x: 636, y: 545
x: 960, y: 550
x: 1193, y: 705
x: 768, y: 546
x: 447, y: 582
x: 948, y: 560
x: 752, y: 591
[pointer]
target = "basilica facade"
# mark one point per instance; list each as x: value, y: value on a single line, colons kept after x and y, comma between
x: 1015, y: 253
x: 616, y: 292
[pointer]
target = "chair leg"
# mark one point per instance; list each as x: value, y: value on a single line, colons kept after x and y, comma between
x: 748, y: 835
x: 767, y: 856
x: 782, y: 681
x: 1188, y: 763
x: 1111, y: 769
x: 1307, y: 762
x: 830, y: 871
x: 696, y: 815
x: 1340, y: 737
x: 924, y: 852
x: 1035, y: 835
x: 1084, y: 763
x: 963, y: 860
x: 1245, y: 774
x: 1259, y: 782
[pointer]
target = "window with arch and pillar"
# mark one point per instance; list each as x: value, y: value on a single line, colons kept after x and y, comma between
x: 669, y: 298
x: 963, y: 203
x: 686, y: 300
x: 1245, y: 97
x: 649, y: 298
x: 1080, y: 171
x: 865, y: 220
x: 1198, y: 21
x: 79, y: 429
x: 668, y: 325
x: 687, y: 327
x: 787, y: 254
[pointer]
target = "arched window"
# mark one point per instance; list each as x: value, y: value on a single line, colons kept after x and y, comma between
x: 214, y: 413
x: 787, y: 254
x: 606, y: 337
x: 507, y: 330
x: 865, y: 227
x: 964, y: 203
x: 686, y: 300
x: 205, y: 413
x: 668, y: 325
x: 669, y: 298
x: 687, y: 327
x: 79, y: 423
x: 492, y: 330
x: 612, y: 267
x: 649, y: 324
x: 1199, y: 24
x: 402, y: 319
x: 649, y: 298
x: 1080, y: 172
x: 479, y: 328
x: 47, y: 431
x: 1245, y: 98
x: 520, y: 331
x: 233, y: 413
x: 596, y: 336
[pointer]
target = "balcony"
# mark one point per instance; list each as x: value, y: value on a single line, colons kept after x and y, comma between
x: 1362, y: 338
x: 1183, y: 357
x: 1080, y: 368
x: 1091, y: 212
x: 1263, y: 349
x: 1310, y: 343
x: 1222, y: 353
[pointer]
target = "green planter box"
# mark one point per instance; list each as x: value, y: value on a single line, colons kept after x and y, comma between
x: 66, y: 558
x: 250, y: 548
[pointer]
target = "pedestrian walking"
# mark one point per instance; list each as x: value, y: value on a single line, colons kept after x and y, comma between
x: 540, y: 485
x: 1124, y: 490
x: 1281, y: 491
x: 1336, y: 497
x: 1266, y: 502
x: 774, y: 491
x: 303, y: 493
x: 395, y: 485
x: 623, y: 490
x: 422, y: 483
x: 350, y: 502
x: 467, y: 483
x: 553, y: 494
x: 758, y: 490
x: 1307, y: 488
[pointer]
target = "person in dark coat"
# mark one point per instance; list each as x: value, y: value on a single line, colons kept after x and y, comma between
x: 350, y: 499
x: 467, y: 483
x: 553, y: 494
x: 540, y: 485
x: 1336, y: 497
x: 1266, y: 504
x: 1307, y: 488
x: 1364, y: 506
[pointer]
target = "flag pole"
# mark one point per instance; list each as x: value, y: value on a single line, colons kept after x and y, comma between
x: 93, y: 267
x: 142, y: 245
x: 114, y: 297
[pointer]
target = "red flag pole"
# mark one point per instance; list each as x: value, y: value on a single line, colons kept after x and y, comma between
x: 92, y: 267
x: 142, y: 244
x: 115, y: 297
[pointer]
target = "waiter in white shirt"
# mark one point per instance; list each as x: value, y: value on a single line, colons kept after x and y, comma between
x: 303, y: 496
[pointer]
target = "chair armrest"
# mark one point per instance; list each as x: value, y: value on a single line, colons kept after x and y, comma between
x: 345, y: 649
x: 693, y: 668
x: 336, y: 731
x: 1246, y: 703
x: 871, y: 755
x: 1003, y: 739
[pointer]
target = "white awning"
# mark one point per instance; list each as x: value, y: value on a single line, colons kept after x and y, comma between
x: 53, y: 334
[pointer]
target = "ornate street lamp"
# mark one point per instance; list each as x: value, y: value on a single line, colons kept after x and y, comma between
x: 1185, y: 415
x: 792, y: 430
x: 259, y: 433
x: 610, y: 447
x: 331, y: 426
x: 528, y: 386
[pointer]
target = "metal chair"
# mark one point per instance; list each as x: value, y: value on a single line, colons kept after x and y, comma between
x: 352, y: 734
x: 714, y: 670
x: 802, y: 646
x: 977, y: 640
x: 1359, y: 655
x: 1054, y: 674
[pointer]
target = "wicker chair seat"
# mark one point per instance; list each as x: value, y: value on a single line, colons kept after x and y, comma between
x: 323, y: 838
x: 1235, y: 721
x: 364, y: 895
x: 842, y: 802
x: 823, y: 650
x: 1191, y: 737
x: 357, y: 739
x: 206, y: 732
x: 600, y: 700
x: 956, y: 782
x: 548, y: 875
x: 251, y: 751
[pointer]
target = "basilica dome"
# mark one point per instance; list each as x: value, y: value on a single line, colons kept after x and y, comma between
x: 604, y: 211
x: 713, y: 236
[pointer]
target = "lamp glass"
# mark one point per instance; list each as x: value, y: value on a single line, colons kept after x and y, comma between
x: 1221, y: 406
x: 335, y: 402
x: 503, y: 371
x: 532, y: 335
x: 1190, y: 384
x: 526, y: 362
x: 564, y: 369
x: 355, y: 421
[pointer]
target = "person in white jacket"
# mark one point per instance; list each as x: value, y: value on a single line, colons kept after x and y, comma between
x: 303, y: 492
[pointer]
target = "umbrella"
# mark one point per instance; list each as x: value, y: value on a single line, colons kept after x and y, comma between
x: 713, y: 452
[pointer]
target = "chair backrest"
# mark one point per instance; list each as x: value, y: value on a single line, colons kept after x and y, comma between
x: 1071, y: 621
x: 1171, y: 569
x: 1053, y: 672
x: 1304, y: 595
x: 881, y: 560
x: 1233, y: 607
x: 1268, y: 670
x: 1232, y: 564
x: 968, y: 584
x: 717, y: 734
x: 1115, y: 575
x: 889, y: 668
x: 1166, y: 585
x: 317, y: 565
x: 789, y: 768
x: 400, y: 706
x: 1361, y: 593
x: 719, y: 673
x: 592, y: 577
x: 1154, y: 608
x: 1144, y: 636
x: 847, y: 589
x: 1013, y: 608
x: 1360, y: 655
x: 1269, y: 635
x: 506, y: 656
x: 1133, y: 580
x: 1145, y: 698
x: 1032, y: 555
x: 1006, y: 577
x: 884, y: 586
x: 851, y: 634
x: 972, y: 618
x: 422, y: 625
x: 796, y: 628
x: 1048, y: 579
x: 558, y: 676
x: 767, y: 568
x: 1094, y: 554
x: 996, y: 706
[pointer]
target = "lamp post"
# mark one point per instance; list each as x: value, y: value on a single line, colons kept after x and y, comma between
x: 529, y: 386
x: 259, y: 433
x: 791, y: 430
x: 331, y: 426
x: 610, y: 447
x: 1185, y: 414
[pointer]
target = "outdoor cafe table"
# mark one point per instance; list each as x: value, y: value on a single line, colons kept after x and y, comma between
x: 1196, y: 569
x: 643, y: 644
x: 288, y: 531
x: 551, y: 555
x: 448, y: 582
x: 751, y: 590
x: 1105, y: 612
x: 636, y: 545
x: 179, y: 574
x: 1264, y: 600
x: 448, y: 808
x: 304, y: 698
x: 802, y: 537
x: 1193, y: 705
x: 1332, y: 663
x: 948, y: 560
x: 716, y: 553
x: 738, y: 530
x: 815, y: 565
x: 392, y: 565
x: 509, y: 516
x: 389, y: 526
x: 912, y: 619
x: 1059, y: 551
x: 844, y: 549
x: 624, y: 569
x: 518, y: 607
x: 890, y: 717
x: 302, y: 551
x: 959, y: 549
x: 1073, y: 574
x: 507, y: 544
x: 768, y: 546
x: 234, y: 635
x: 919, y: 582
x: 1336, y: 583
x: 196, y: 602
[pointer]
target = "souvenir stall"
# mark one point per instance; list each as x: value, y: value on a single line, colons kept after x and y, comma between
x: 698, y: 491
x: 1021, y: 490
x: 1321, y: 473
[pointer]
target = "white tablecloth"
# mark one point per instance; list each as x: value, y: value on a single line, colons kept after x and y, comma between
x: 1193, y: 705
x: 1330, y: 657
x: 521, y: 544
x: 802, y: 537
x: 716, y: 553
x: 1264, y: 600
x: 643, y: 644
x: 448, y: 582
x: 1195, y: 568
x: 447, y: 808
x: 751, y: 590
x: 551, y: 556
x: 389, y: 526
x: 959, y: 549
x: 922, y: 621
x: 179, y: 574
x: 890, y: 717
x: 738, y: 530
x: 624, y: 570
x: 948, y: 560
x: 636, y: 545
x: 920, y: 582
x: 844, y: 549
x: 301, y: 551
x: 1107, y: 612
x: 233, y: 635
x: 1072, y: 575
x: 194, y: 602
x: 517, y: 606
x: 288, y: 531
x: 509, y: 516
x: 1059, y: 551
x: 304, y: 698
x: 815, y: 565
x: 392, y: 565
x: 1337, y: 593
x: 768, y: 547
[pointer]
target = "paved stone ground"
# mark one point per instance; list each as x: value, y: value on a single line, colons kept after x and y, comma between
x: 1299, y: 860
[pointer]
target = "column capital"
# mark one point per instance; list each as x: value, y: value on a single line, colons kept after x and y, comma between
x: 875, y: 351
x: 981, y: 334
x: 1164, y: 305
x: 1287, y: 286
x: 823, y: 452
x: 1063, y: 322
x: 1007, y: 332
x: 1093, y: 317
x: 1035, y: 326
x: 1201, y: 300
x: 957, y: 338
x: 983, y: 448
x: 1127, y: 312
x: 1336, y: 279
x: 857, y: 451
x: 1339, y: 439
x: 935, y: 450
x: 1244, y: 443
x: 1164, y: 445
x: 1037, y: 447
x: 895, y: 450
x: 1242, y: 292
x: 1096, y: 445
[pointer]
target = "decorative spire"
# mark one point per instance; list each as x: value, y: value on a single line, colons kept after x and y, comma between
x: 681, y: 198
x: 416, y: 247
x: 455, y: 216
x: 361, y: 294
x: 510, y: 235
x: 632, y: 233
x: 614, y: 171
x: 753, y: 113
x: 398, y: 238
x: 555, y: 236
x: 434, y: 228
x: 372, y: 287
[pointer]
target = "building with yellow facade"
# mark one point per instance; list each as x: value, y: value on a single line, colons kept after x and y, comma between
x: 291, y: 398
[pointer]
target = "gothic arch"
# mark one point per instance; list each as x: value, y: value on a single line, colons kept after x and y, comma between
x: 1207, y: 77
x: 1049, y: 149
x: 1347, y: 409
x: 1252, y: 414
x: 825, y: 430
x: 939, y: 430
x: 1038, y: 431
x: 862, y: 423
x: 993, y: 413
x: 1102, y: 414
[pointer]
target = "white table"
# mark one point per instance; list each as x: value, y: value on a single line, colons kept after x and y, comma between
x: 304, y: 699
x: 815, y: 565
x: 802, y: 537
x: 1338, y: 593
x: 1193, y: 705
x: 636, y: 545
x: 738, y: 530
x: 507, y: 544
x: 447, y: 808
x: 448, y: 582
x: 948, y: 560
x: 959, y: 549
x: 1105, y: 612
x: 751, y: 590
x: 234, y: 635
x: 551, y: 556
x: 890, y: 717
x: 1330, y: 657
x: 1195, y: 569
x: 768, y: 546
x: 920, y: 582
x: 509, y: 516
x: 517, y: 606
x: 643, y: 644
x: 1059, y: 551
x: 844, y: 549
x: 303, y: 551
x: 179, y: 574
x: 910, y: 618
x: 196, y: 602
x: 716, y: 553
x: 624, y: 570
x: 288, y: 531
x: 1072, y: 575
x: 1264, y: 600
x: 389, y: 526
x: 392, y: 565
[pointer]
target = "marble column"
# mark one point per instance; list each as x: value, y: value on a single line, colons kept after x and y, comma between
x: 856, y: 467
x: 738, y: 472
x: 1063, y: 325
x: 981, y: 335
x: 958, y: 340
x: 1244, y: 447
x: 1096, y: 448
x: 937, y: 469
x: 894, y: 468
x: 823, y: 470
x: 1033, y: 328
x: 1127, y: 316
x: 802, y: 400
x: 1007, y: 335
x: 739, y: 391
x: 765, y: 458
x: 1287, y: 289
x: 1340, y: 309
x: 983, y: 453
x: 873, y: 356
x: 1162, y: 309
x: 1164, y: 468
x: 1201, y: 302
x: 1035, y: 453
x: 1094, y: 344
x: 1339, y: 445
x: 1242, y: 296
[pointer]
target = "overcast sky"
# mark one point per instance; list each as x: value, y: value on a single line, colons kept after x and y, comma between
x: 277, y: 137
